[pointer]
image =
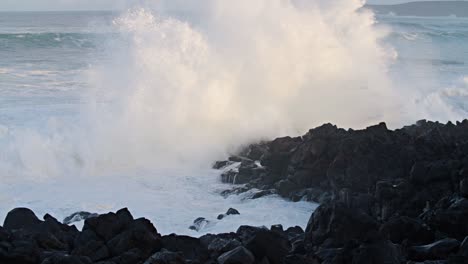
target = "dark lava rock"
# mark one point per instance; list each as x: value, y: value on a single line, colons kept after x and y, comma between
x: 337, y: 224
x: 232, y: 211
x: 464, y: 187
x: 78, y: 216
x: 220, y: 217
x: 437, y: 250
x: 94, y: 250
x: 269, y: 245
x: 222, y: 245
x: 66, y: 259
x: 107, y: 226
x: 221, y: 164
x: 199, y: 224
x: 464, y: 248
x: 263, y: 193
x: 21, y: 218
x: 449, y: 216
x: 237, y: 256
x: 245, y: 233
x: 398, y: 229
x: 191, y: 248
x: 381, y: 252
x: 139, y: 234
x: 165, y: 257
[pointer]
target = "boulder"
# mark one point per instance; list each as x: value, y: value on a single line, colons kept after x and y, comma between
x: 130, y: 257
x: 66, y: 259
x: 449, y: 216
x: 94, y: 250
x: 20, y: 251
x: 77, y: 217
x: 221, y: 164
x: 336, y: 224
x: 222, y: 245
x: 232, y: 211
x: 107, y: 226
x: 21, y: 218
x: 165, y: 257
x: 270, y: 245
x: 237, y: 256
x: 380, y: 252
x: 245, y: 233
x: 464, y: 248
x: 191, y: 248
x: 199, y: 224
x: 438, y: 250
x: 140, y: 234
x: 398, y: 229
x: 464, y: 187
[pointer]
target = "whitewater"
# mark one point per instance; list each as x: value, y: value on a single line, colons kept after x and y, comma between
x: 104, y: 110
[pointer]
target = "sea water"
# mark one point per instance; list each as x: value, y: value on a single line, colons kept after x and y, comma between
x: 104, y: 110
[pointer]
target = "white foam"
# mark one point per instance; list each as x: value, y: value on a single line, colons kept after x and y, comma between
x: 171, y: 199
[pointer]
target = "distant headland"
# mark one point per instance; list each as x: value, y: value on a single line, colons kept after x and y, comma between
x: 424, y: 8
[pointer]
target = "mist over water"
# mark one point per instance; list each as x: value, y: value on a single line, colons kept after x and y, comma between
x: 227, y: 74
x: 171, y: 86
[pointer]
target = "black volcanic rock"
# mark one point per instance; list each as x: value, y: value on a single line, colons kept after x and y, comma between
x: 237, y: 255
x: 109, y: 225
x: 21, y: 218
x: 78, y: 216
x: 232, y: 211
x: 399, y: 229
x: 437, y: 250
x: 376, y: 187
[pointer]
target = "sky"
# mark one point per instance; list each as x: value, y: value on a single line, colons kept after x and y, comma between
x: 51, y: 5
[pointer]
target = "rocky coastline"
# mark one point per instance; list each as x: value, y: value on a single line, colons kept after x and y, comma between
x: 386, y: 196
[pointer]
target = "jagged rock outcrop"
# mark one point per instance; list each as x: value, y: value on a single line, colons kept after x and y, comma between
x: 394, y: 195
x: 118, y: 238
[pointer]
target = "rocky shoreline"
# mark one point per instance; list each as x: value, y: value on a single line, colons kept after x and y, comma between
x: 387, y: 196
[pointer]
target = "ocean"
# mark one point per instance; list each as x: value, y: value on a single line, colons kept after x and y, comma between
x: 103, y: 110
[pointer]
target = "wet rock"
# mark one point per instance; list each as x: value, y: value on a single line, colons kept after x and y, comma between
x: 232, y: 211
x: 277, y: 228
x: 438, y: 250
x: 222, y: 164
x: 263, y: 193
x: 236, y: 256
x: 222, y: 245
x: 199, y: 224
x: 78, y: 216
x: 66, y: 259
x: 165, y: 257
